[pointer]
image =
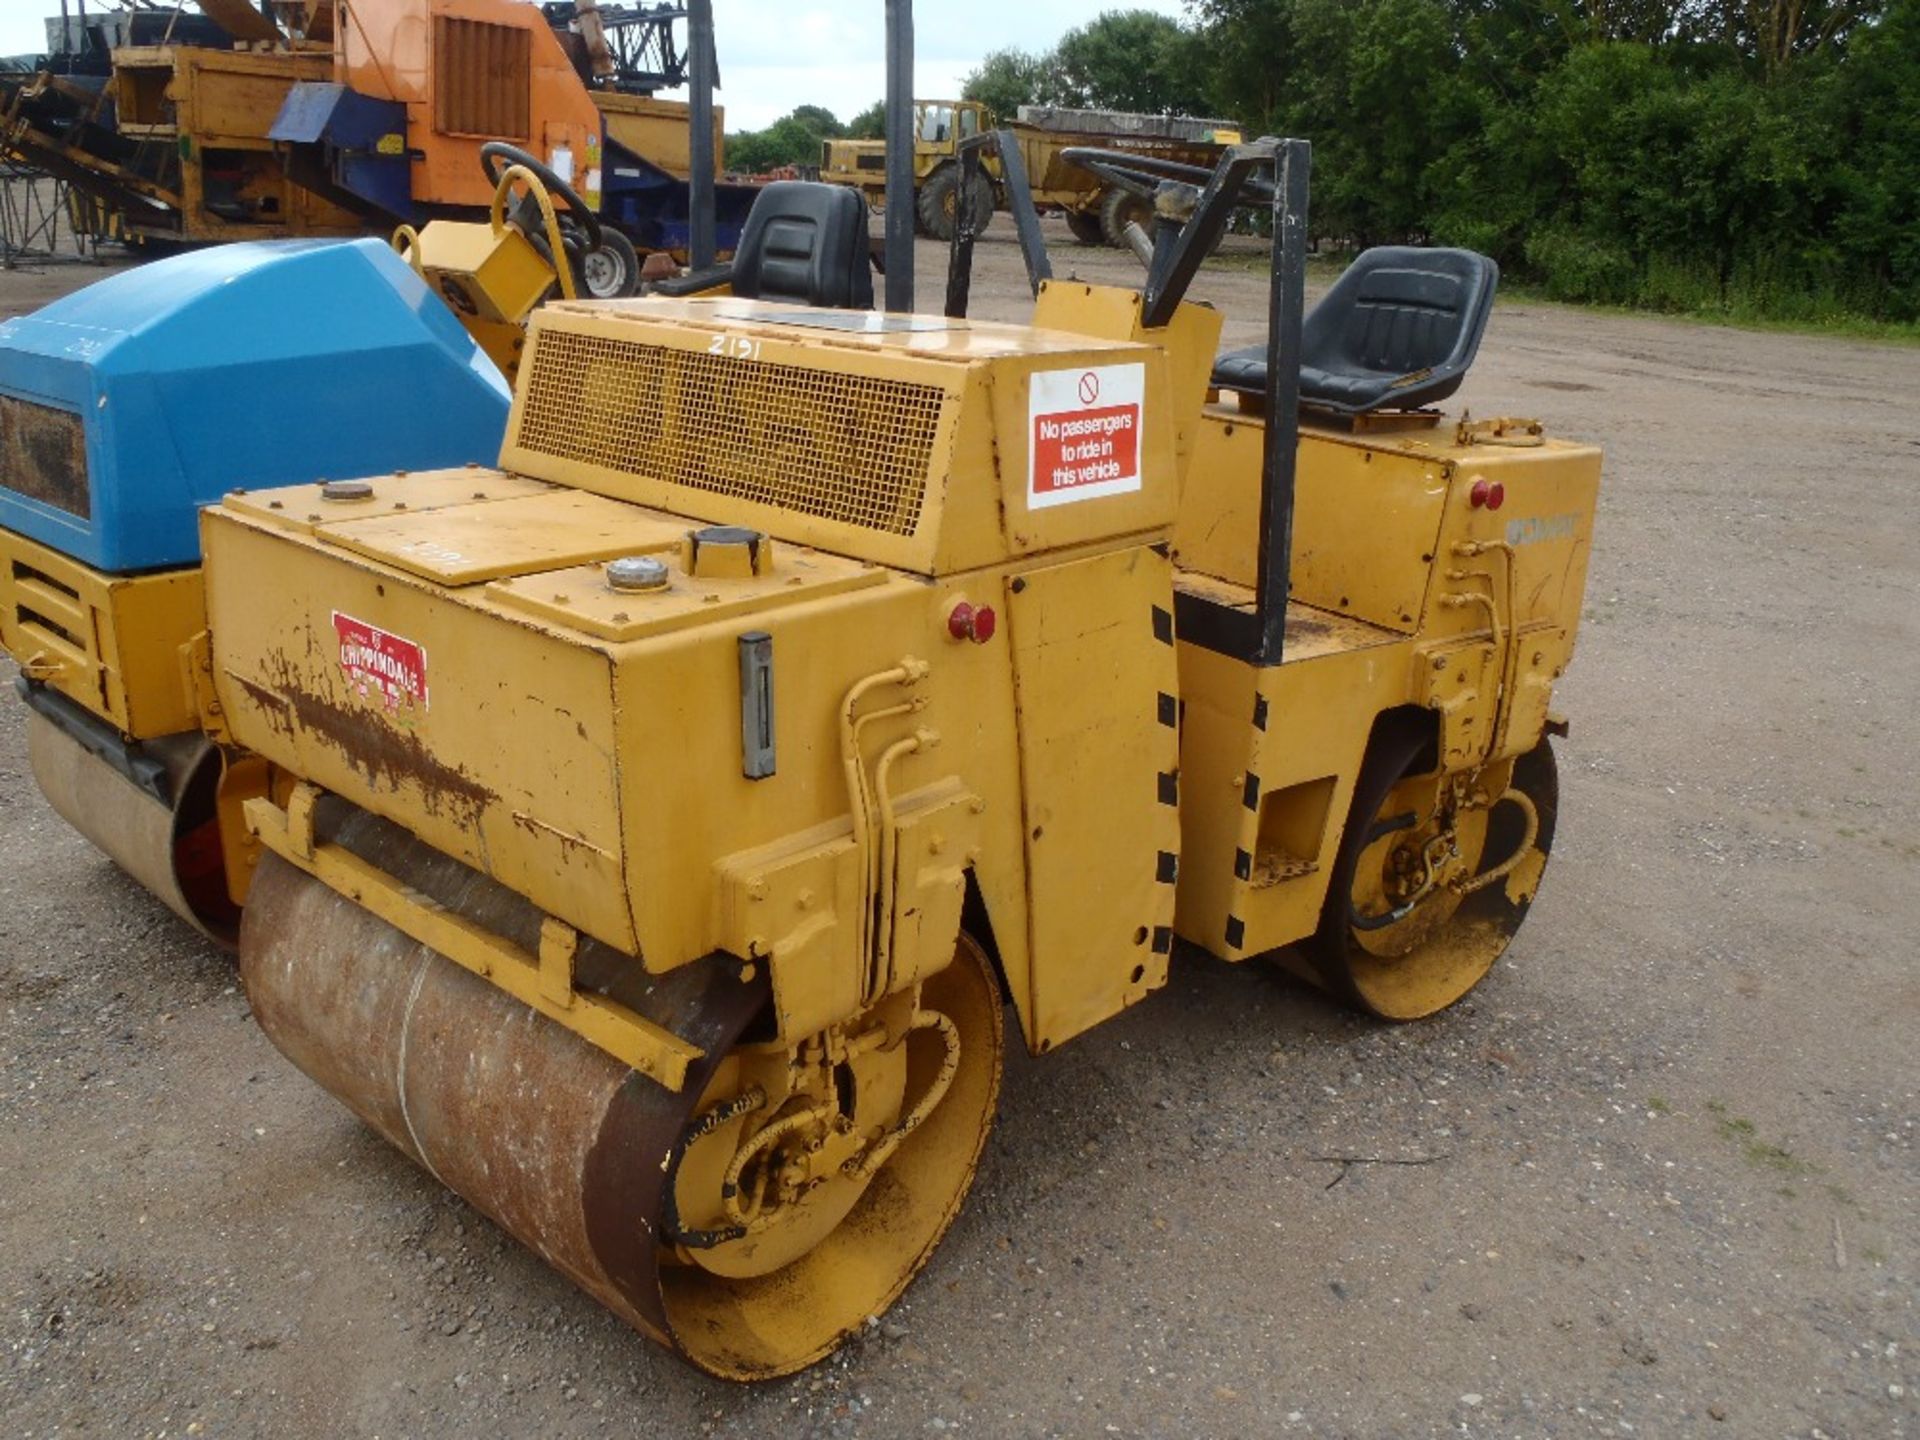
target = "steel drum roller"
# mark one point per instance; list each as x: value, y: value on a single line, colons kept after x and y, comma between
x: 565, y: 1148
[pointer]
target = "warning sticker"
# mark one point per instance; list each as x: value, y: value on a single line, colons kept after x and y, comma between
x: 381, y: 666
x: 1084, y: 433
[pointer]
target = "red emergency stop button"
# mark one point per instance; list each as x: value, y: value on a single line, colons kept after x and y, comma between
x: 972, y: 622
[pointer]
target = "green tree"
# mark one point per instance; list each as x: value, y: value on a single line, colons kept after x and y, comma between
x: 1249, y: 48
x: 1875, y: 106
x: 870, y: 123
x: 793, y: 139
x: 1134, y: 60
x: 818, y: 119
x: 1008, y: 79
x: 1376, y: 85
x: 1739, y: 157
x: 1773, y: 34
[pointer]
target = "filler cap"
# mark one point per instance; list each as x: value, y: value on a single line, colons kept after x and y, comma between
x: 726, y: 552
x: 636, y: 573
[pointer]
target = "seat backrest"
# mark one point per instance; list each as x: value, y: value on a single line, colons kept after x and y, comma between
x: 807, y: 243
x: 1399, y: 310
x: 1397, y: 331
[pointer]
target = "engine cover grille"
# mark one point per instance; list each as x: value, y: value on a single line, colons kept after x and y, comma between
x: 849, y: 448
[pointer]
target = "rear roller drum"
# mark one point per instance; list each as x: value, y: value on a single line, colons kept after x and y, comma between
x: 1433, y: 877
x: 152, y: 813
x: 751, y: 1221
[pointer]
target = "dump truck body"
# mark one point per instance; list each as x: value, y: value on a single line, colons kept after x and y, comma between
x: 1043, y: 133
x: 1046, y: 130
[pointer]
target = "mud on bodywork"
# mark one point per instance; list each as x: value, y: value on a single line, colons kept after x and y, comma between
x: 385, y: 754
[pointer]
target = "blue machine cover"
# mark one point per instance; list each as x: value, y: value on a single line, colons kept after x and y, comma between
x: 249, y: 365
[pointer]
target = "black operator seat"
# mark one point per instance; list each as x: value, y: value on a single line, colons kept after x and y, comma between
x: 804, y: 243
x: 1398, y: 330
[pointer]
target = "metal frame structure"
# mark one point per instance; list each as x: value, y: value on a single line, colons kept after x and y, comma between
x: 36, y: 216
x: 701, y: 245
x: 1260, y: 636
x: 899, y: 128
x: 640, y: 41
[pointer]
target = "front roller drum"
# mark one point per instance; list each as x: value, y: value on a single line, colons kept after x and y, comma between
x: 764, y: 1323
x: 574, y: 1154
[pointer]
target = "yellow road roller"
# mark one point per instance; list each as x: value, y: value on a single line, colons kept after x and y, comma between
x: 652, y: 827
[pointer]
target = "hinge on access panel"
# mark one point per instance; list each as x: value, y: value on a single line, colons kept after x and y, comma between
x: 1501, y: 430
x: 196, y: 664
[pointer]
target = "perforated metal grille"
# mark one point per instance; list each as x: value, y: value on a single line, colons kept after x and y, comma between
x: 819, y: 442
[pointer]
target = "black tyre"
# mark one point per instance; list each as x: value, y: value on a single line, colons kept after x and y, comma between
x: 611, y: 272
x: 1399, y: 955
x: 1118, y: 209
x: 933, y: 206
x: 980, y: 203
x: 1085, y: 225
x: 939, y: 199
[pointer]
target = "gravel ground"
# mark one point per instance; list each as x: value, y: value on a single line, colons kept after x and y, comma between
x: 1655, y: 1177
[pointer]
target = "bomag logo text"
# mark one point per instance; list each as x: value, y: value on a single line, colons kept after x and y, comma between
x: 1533, y: 529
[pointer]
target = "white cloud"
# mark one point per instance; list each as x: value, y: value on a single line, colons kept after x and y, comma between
x: 776, y: 54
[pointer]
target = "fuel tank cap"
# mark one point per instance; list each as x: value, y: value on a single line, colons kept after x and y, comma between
x: 726, y: 551
x: 636, y: 573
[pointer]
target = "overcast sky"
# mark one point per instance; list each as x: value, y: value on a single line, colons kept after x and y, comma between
x: 776, y: 54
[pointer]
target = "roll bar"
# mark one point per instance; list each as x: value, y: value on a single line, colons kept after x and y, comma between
x: 1258, y: 637
x: 1179, y: 248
